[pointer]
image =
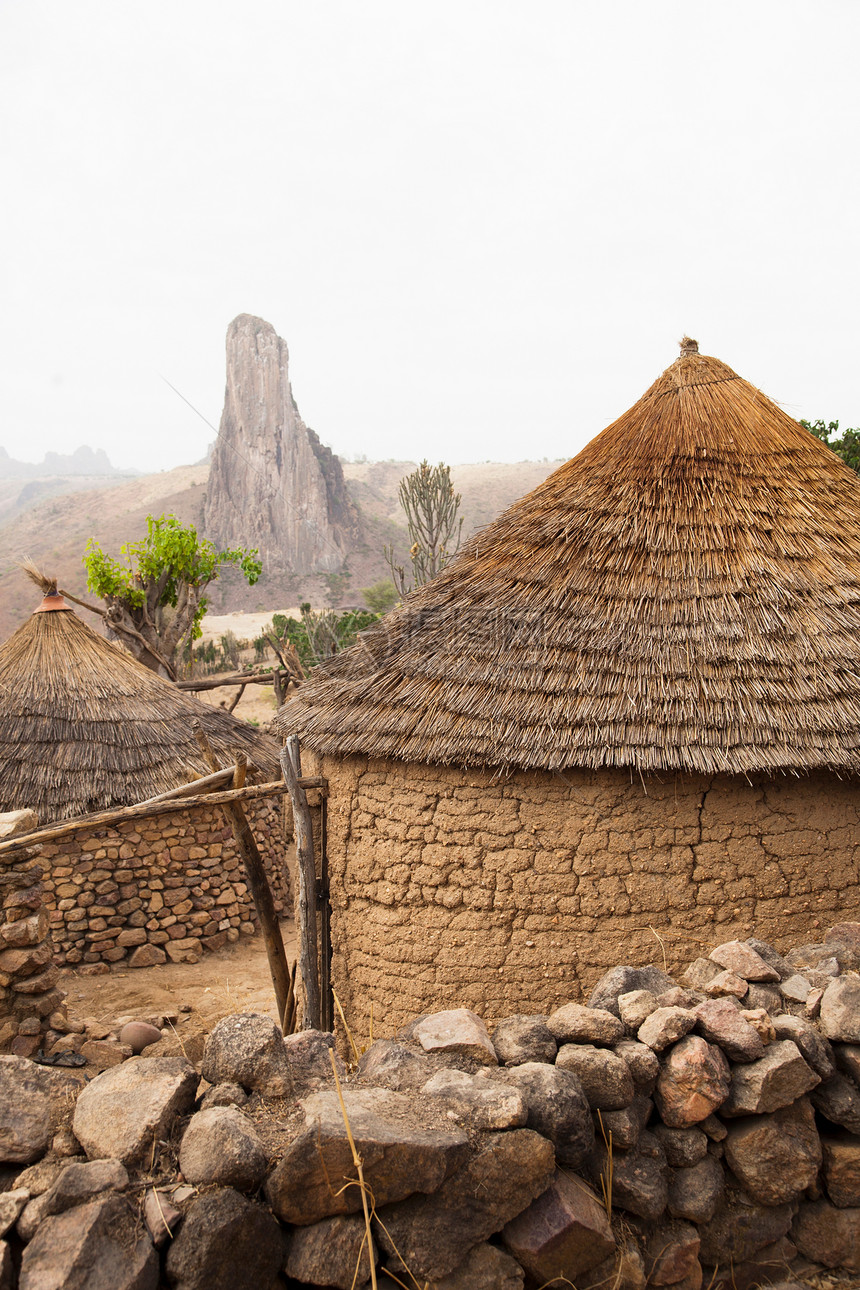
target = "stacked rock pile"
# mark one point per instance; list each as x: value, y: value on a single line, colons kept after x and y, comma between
x: 30, y: 1002
x: 683, y: 1133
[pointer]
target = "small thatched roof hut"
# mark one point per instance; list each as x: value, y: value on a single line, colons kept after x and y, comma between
x: 622, y: 667
x: 85, y: 726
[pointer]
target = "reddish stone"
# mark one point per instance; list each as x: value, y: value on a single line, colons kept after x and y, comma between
x: 564, y: 1233
x: 829, y: 1235
x: 147, y: 956
x: 672, y: 1254
x: 694, y: 1082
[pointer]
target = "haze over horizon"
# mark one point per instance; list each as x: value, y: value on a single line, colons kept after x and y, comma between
x: 480, y: 228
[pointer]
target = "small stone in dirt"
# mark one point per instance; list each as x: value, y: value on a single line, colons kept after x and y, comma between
x: 221, y: 1147
x: 248, y: 1049
x: 225, y: 1241
x: 138, y: 1035
x: 161, y: 1216
x: 564, y: 1233
x: 104, y: 1053
x: 123, y: 1111
x: 97, y: 1246
x: 457, y: 1030
x: 520, y: 1039
x: 573, y: 1023
x: 605, y: 1077
x: 224, y: 1095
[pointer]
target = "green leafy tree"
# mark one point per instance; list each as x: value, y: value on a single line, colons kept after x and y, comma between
x: 155, y: 593
x: 846, y: 445
x: 431, y: 507
x: 381, y: 596
x: 320, y: 633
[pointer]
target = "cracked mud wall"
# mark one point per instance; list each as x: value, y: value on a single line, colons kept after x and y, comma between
x: 514, y: 894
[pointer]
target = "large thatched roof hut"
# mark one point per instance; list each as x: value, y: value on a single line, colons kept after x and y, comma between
x: 631, y: 706
x: 84, y: 727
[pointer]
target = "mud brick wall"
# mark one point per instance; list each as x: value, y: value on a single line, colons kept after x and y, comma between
x: 167, y: 887
x: 504, y: 895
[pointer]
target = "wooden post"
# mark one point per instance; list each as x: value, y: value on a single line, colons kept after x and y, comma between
x: 327, y: 1007
x: 278, y: 686
x: 257, y: 880
x: 307, y: 929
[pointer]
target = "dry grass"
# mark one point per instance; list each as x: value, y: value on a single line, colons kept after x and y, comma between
x: 684, y: 594
x: 84, y: 726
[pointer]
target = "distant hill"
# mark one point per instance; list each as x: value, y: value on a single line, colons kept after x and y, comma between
x: 83, y: 461
x: 53, y: 531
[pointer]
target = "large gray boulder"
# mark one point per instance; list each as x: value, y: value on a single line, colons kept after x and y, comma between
x: 775, y: 1157
x: 332, y: 1252
x: 778, y: 1078
x: 316, y: 1177
x: 557, y: 1108
x: 75, y: 1186
x: 840, y: 1010
x: 98, y: 1246
x: 221, y: 1146
x: 225, y: 1241
x: 605, y: 1077
x: 433, y: 1234
x: 125, y: 1110
x: 248, y: 1049
x: 25, y: 1111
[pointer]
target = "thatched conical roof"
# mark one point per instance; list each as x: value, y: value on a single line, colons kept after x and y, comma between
x: 685, y: 593
x: 84, y: 726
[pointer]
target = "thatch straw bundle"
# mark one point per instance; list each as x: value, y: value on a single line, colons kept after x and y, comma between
x: 84, y: 726
x: 685, y: 593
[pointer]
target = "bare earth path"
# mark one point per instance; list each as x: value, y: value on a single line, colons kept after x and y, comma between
x: 236, y: 979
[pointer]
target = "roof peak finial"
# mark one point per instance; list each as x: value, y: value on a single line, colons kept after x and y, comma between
x: 689, y: 346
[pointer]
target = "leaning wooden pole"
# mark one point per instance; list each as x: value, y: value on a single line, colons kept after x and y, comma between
x: 257, y: 880
x: 309, y: 961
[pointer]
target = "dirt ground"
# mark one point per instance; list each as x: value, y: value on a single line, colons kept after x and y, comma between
x: 236, y: 979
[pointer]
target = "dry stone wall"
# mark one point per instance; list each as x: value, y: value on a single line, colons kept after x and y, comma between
x: 169, y: 887
x: 699, y: 1132
x: 454, y: 888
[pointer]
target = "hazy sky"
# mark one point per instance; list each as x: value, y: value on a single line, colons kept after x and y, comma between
x: 481, y: 226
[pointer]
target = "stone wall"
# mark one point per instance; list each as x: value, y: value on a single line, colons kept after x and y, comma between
x: 167, y: 887
x: 30, y: 1003
x: 453, y: 888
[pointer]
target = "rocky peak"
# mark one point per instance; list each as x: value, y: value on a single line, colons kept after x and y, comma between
x: 272, y: 484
